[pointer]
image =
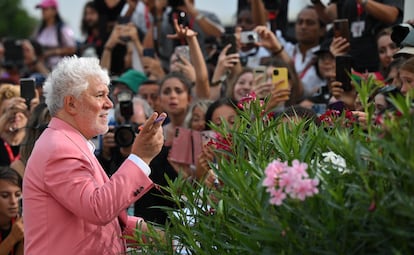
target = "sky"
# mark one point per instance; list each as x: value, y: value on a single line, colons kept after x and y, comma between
x: 71, y: 10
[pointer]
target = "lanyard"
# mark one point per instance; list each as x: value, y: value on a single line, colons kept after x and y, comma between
x: 147, y: 18
x: 360, y: 9
x: 10, y: 152
x: 307, y: 67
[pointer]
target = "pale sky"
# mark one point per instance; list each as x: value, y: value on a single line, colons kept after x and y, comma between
x: 71, y: 10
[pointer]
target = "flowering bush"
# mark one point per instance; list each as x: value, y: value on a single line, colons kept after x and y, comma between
x: 363, y: 204
x: 282, y: 180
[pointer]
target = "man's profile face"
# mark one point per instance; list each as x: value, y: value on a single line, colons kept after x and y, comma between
x: 91, y: 109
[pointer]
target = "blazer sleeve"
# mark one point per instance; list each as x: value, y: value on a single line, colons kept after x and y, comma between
x: 79, y: 183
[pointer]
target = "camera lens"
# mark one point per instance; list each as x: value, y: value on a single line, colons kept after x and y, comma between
x: 250, y: 37
x: 124, y: 135
x: 275, y: 72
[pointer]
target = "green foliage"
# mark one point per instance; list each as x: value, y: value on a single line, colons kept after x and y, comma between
x: 15, y: 21
x: 366, y: 209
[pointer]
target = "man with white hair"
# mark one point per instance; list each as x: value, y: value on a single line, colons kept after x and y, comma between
x: 71, y: 206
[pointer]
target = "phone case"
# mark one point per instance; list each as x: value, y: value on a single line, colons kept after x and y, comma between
x: 341, y: 28
x: 182, y: 51
x: 343, y: 71
x: 229, y: 39
x: 259, y: 71
x: 186, y: 146
x: 27, y: 89
x: 149, y: 52
x: 280, y: 74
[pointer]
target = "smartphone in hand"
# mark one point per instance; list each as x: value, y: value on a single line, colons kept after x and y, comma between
x: 341, y: 29
x: 27, y: 89
x: 229, y: 39
x: 148, y: 52
x: 280, y: 74
x: 182, y: 51
x: 343, y: 71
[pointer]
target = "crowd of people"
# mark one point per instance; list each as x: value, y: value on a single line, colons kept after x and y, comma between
x: 111, y: 116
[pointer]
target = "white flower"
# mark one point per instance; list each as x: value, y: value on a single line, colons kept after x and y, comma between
x: 336, y: 160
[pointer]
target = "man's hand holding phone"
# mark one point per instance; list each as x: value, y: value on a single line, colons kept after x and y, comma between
x: 149, y: 141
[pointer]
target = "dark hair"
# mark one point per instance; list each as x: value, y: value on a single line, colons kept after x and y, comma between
x: 300, y: 112
x: 216, y: 104
x: 150, y: 82
x: 36, y: 124
x: 187, y: 83
x: 84, y: 26
x: 10, y: 175
x: 58, y: 24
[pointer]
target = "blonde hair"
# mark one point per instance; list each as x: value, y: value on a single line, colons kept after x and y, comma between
x: 8, y: 91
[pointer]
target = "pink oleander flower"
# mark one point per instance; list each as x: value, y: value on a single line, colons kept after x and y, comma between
x: 282, y: 181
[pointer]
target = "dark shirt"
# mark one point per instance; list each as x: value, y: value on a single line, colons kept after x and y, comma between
x: 159, y: 166
x: 364, y: 48
x: 5, y: 158
x: 3, y: 235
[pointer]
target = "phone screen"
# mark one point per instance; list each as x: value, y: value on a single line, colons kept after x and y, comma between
x: 27, y: 89
x: 343, y: 71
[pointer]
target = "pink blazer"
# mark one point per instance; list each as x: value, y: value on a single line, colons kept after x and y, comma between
x: 70, y: 205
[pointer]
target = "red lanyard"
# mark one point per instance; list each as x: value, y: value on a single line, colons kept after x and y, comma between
x: 307, y: 67
x: 10, y: 152
x: 147, y: 18
x: 360, y: 9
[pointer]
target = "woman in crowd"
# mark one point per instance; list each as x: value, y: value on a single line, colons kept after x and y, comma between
x: 56, y: 37
x: 37, y: 123
x: 406, y: 75
x: 386, y: 50
x: 175, y: 98
x: 13, y: 119
x: 222, y: 112
x: 11, y: 224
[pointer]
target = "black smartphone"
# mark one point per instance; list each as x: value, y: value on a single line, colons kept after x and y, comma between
x: 343, y: 71
x: 149, y: 52
x: 13, y: 53
x: 229, y: 39
x: 27, y: 89
x: 124, y: 20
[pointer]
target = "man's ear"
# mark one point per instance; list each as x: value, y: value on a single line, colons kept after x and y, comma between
x: 69, y: 104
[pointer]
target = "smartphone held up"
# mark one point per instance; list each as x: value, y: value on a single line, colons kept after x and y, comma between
x: 343, y: 71
x: 27, y: 89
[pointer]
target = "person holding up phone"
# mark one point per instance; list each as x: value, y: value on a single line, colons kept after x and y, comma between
x: 366, y: 18
x: 117, y: 53
x: 13, y: 119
